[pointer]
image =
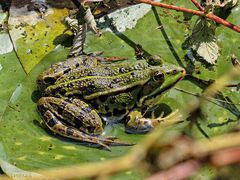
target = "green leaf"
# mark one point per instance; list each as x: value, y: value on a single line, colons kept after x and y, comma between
x: 30, y: 146
x: 204, y: 40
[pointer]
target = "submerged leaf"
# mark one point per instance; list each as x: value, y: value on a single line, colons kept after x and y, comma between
x: 204, y: 41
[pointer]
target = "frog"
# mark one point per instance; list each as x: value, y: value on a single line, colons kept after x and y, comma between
x: 83, y: 94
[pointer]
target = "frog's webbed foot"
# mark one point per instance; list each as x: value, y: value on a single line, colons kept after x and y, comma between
x: 113, y: 141
x: 136, y: 123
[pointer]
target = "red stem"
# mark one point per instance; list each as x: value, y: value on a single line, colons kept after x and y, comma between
x: 199, y: 13
x: 198, y: 5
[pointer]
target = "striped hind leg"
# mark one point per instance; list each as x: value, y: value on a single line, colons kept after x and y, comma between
x: 56, y: 126
x: 61, y: 117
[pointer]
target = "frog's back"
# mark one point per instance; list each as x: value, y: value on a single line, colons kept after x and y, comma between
x: 52, y: 74
x: 101, y: 80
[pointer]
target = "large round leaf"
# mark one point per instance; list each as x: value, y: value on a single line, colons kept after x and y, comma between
x: 29, y: 145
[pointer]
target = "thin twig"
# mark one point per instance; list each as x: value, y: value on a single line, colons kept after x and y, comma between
x: 198, y: 5
x: 191, y: 11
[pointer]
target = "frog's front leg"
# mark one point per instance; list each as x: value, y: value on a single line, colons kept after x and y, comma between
x: 75, y: 120
x: 136, y: 123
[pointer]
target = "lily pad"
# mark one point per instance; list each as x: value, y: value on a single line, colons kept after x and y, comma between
x: 28, y: 144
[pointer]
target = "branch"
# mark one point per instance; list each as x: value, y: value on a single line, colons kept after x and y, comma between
x: 190, y: 11
x: 178, y: 172
x: 197, y: 5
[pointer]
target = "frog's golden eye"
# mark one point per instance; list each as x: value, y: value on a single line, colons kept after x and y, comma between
x: 159, y: 77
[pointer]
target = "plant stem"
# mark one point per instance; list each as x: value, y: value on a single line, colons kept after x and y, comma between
x: 191, y: 11
x: 198, y: 5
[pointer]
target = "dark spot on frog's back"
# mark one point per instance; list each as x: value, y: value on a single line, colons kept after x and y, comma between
x: 69, y: 85
x: 137, y: 67
x: 77, y: 65
x: 66, y: 70
x: 49, y: 80
x: 134, y: 74
x: 106, y: 68
x: 116, y: 80
x: 62, y: 91
x: 121, y: 70
x: 72, y: 77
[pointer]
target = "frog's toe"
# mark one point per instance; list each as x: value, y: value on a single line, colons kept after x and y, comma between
x: 105, y: 146
x: 113, y: 141
x: 113, y: 138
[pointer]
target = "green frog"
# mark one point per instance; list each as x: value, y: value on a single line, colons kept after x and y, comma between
x: 83, y: 92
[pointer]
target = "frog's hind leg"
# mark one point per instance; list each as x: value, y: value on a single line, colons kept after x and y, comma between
x: 66, y: 119
x: 55, y: 125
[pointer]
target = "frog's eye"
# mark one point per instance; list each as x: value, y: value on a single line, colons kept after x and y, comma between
x: 159, y: 77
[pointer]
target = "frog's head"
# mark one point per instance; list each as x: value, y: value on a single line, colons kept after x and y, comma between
x: 162, y: 78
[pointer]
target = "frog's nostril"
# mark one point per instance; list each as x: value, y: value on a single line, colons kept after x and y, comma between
x: 183, y: 71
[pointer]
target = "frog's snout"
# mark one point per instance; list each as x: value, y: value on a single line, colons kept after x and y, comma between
x: 183, y: 72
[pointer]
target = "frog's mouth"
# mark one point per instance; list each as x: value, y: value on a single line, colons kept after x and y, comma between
x: 170, y: 81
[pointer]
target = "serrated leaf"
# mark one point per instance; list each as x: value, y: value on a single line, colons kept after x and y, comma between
x: 204, y: 41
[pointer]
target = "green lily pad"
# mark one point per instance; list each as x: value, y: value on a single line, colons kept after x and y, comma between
x: 28, y: 144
